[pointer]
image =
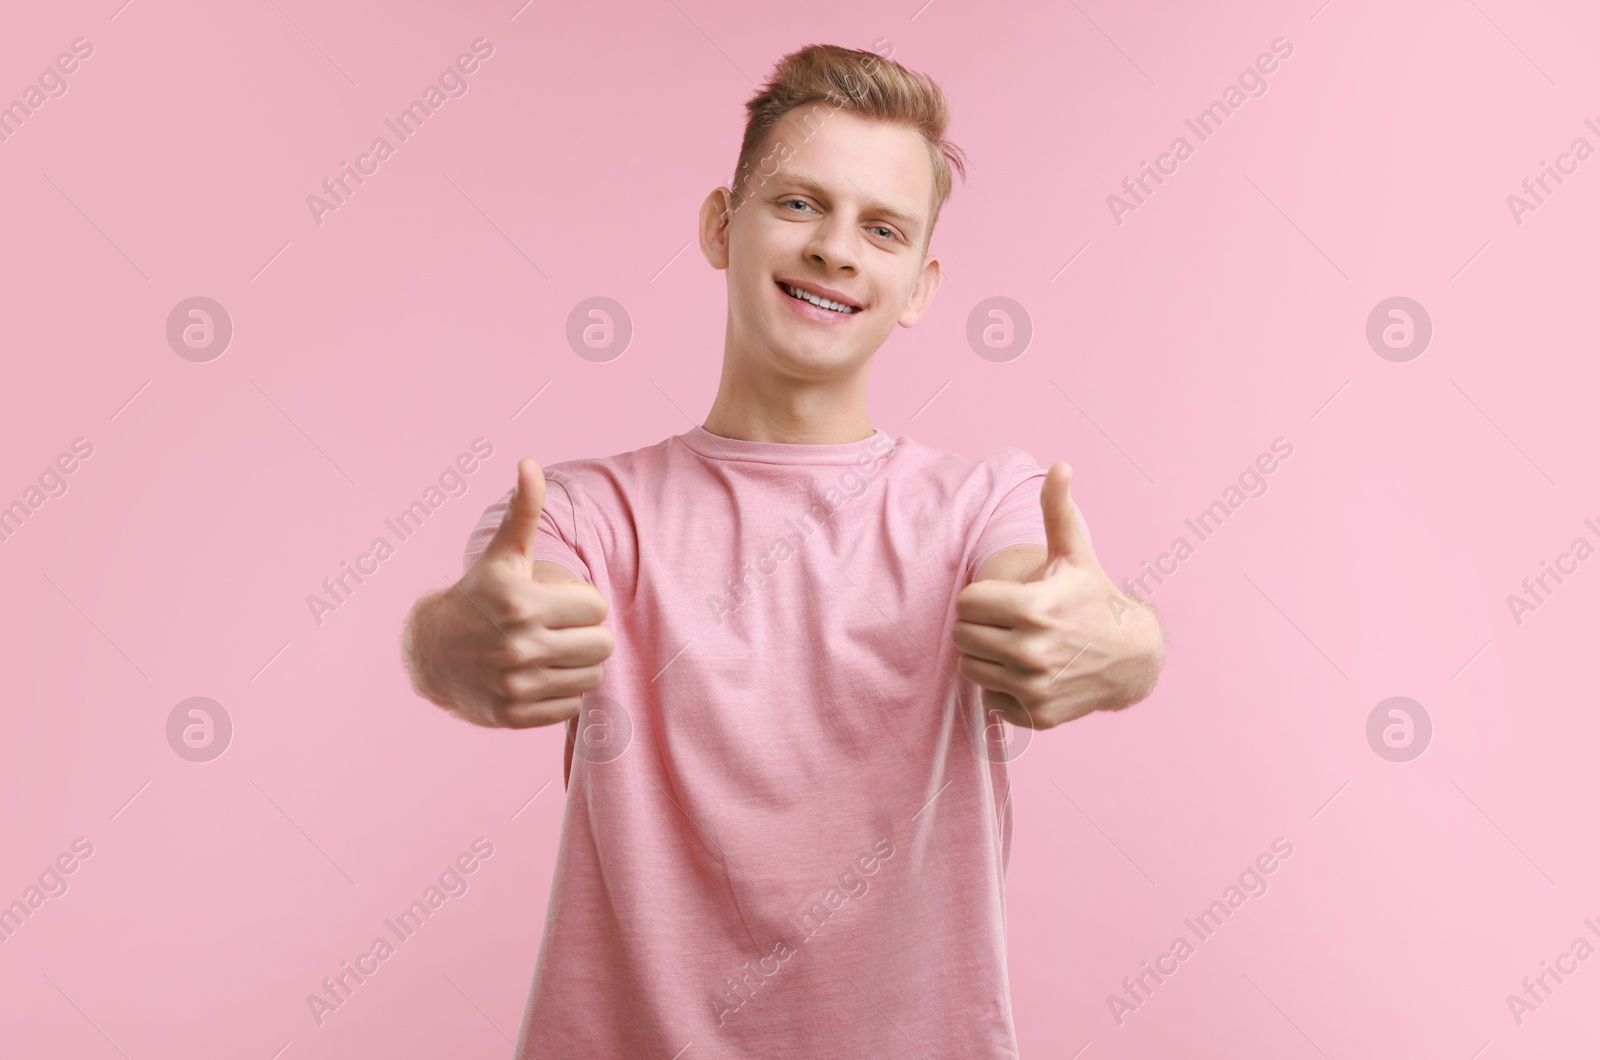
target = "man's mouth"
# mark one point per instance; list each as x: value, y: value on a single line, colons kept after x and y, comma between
x: 818, y: 300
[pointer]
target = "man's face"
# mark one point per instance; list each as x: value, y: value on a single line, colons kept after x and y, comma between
x: 837, y: 203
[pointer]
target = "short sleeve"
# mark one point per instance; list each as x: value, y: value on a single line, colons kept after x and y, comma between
x: 555, y: 541
x: 1017, y: 519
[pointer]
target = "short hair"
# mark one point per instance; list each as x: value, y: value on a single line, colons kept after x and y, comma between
x: 863, y: 83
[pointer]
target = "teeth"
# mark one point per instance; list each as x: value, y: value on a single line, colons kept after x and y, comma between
x: 837, y: 307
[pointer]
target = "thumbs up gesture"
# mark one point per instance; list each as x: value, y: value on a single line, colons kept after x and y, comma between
x: 1057, y: 639
x: 516, y: 642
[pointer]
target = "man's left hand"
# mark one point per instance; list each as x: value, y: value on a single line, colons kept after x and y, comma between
x: 1063, y: 641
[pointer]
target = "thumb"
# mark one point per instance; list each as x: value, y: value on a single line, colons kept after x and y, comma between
x: 514, y: 539
x: 1062, y: 532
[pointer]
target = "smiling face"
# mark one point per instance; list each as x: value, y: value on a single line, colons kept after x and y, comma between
x: 840, y: 207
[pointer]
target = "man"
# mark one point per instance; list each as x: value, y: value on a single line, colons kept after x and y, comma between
x: 787, y: 821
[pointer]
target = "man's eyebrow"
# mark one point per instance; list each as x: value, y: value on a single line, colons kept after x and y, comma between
x: 816, y: 187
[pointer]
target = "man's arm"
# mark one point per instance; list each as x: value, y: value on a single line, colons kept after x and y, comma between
x: 1047, y: 634
x: 1015, y: 563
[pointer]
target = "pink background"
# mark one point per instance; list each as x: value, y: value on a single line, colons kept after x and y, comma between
x: 370, y: 350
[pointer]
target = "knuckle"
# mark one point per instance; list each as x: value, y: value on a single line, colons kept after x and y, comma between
x: 1034, y: 685
x: 1032, y: 656
x: 503, y: 687
x: 534, y: 648
x: 522, y: 607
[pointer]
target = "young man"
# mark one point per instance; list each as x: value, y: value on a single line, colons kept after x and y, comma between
x: 787, y: 824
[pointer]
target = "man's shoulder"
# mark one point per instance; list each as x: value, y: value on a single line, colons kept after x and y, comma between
x: 999, y: 467
x: 612, y: 465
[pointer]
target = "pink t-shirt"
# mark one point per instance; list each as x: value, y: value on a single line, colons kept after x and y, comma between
x: 787, y: 826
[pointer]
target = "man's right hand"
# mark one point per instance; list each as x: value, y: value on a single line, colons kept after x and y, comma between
x: 515, y: 643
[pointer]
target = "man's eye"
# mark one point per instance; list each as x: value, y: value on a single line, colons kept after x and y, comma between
x: 888, y: 233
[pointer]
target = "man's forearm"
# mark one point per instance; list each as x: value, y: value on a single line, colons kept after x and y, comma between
x: 1142, y: 657
x: 416, y: 642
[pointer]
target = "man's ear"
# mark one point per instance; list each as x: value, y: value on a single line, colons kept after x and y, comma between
x: 928, y: 281
x: 716, y: 217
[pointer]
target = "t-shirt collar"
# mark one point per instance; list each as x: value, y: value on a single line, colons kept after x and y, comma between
x: 716, y: 447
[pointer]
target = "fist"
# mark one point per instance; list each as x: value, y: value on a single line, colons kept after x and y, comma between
x: 516, y: 642
x: 1050, y: 646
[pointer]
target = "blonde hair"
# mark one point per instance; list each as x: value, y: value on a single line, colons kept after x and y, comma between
x: 862, y: 83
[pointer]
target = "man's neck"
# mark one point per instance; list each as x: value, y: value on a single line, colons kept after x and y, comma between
x: 791, y: 411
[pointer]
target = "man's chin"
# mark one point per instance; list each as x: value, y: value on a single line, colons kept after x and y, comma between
x: 815, y: 361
